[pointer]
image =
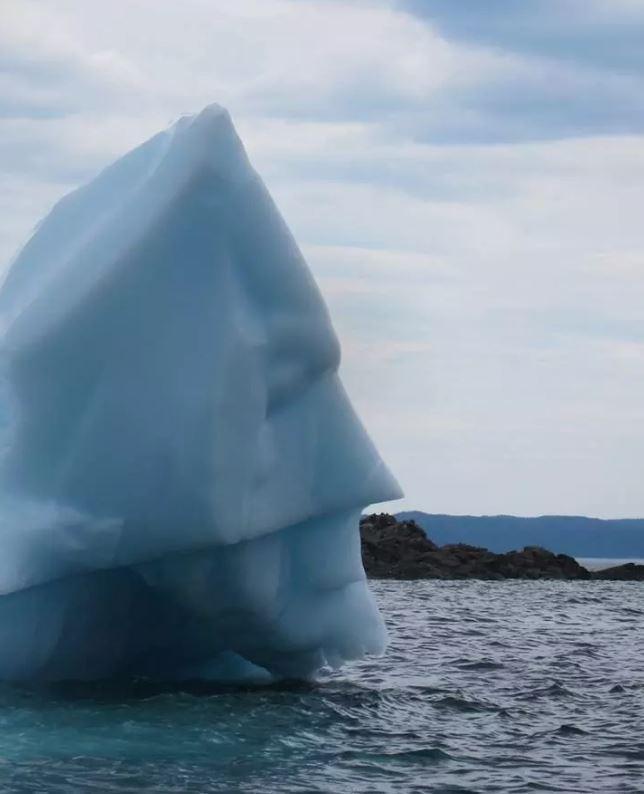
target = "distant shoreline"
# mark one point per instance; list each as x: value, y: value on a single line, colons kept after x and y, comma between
x: 601, y: 563
x: 394, y: 549
x: 581, y: 537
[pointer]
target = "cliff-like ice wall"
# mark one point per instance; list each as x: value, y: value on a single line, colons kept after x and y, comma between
x: 182, y: 473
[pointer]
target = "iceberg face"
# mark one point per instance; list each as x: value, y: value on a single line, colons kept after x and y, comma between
x: 182, y: 472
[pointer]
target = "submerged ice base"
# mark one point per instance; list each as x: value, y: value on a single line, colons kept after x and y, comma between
x: 282, y: 605
x: 183, y: 472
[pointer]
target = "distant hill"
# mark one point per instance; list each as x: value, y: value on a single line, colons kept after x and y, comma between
x: 575, y: 535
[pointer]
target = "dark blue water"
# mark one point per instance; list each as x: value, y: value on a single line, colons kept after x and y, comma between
x: 487, y: 687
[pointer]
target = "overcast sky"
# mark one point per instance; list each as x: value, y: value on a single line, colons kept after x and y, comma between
x: 465, y: 178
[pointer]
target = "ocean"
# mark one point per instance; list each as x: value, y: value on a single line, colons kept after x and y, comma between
x: 511, y: 686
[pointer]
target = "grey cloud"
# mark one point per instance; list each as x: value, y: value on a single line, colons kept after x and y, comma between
x: 607, y: 33
x: 570, y: 70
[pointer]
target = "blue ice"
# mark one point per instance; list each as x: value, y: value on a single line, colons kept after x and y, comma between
x: 182, y: 472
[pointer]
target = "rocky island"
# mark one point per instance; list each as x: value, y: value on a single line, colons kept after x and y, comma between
x: 393, y: 549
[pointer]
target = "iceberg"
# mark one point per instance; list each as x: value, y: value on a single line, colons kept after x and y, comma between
x: 181, y: 471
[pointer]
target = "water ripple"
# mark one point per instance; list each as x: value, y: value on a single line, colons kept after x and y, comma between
x: 508, y: 687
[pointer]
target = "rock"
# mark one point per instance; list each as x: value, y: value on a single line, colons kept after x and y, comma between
x: 401, y: 550
x: 396, y: 550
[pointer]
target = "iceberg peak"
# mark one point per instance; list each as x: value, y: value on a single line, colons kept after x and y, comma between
x: 179, y: 432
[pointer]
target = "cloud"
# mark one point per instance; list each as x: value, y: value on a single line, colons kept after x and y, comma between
x: 46, y: 71
x: 590, y: 32
x: 565, y: 68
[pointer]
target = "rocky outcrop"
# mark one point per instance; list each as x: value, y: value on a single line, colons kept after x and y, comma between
x: 401, y: 550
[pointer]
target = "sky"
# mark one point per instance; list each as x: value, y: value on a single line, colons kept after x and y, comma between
x: 465, y: 179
